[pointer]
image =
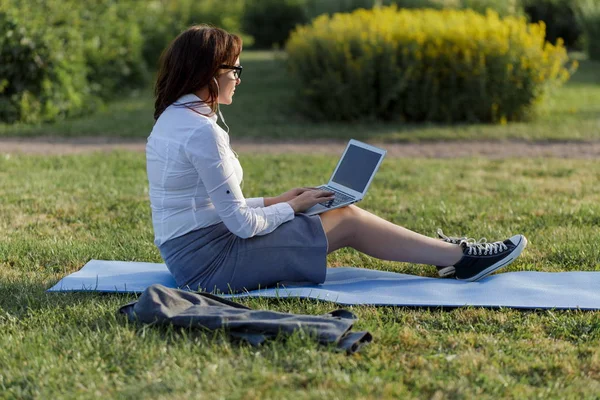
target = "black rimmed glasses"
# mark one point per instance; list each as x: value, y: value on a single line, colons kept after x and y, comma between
x: 237, y: 70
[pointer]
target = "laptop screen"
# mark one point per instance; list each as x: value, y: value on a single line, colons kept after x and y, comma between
x: 356, y: 168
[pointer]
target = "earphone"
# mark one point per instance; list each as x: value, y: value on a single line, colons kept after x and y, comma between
x: 227, y: 126
x: 219, y: 108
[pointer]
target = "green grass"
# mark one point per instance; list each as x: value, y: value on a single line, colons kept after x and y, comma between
x: 261, y: 109
x: 56, y: 213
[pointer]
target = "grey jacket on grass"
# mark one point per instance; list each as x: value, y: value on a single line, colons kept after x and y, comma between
x: 159, y: 304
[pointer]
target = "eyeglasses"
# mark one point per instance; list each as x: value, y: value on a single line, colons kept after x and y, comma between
x: 237, y: 70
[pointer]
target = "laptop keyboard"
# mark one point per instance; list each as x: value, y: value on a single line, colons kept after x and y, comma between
x: 338, y: 199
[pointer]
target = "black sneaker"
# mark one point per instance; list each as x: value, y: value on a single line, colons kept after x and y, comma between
x: 481, y: 259
x: 448, y: 272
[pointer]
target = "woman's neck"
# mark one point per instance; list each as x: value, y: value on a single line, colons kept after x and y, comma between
x: 202, y: 94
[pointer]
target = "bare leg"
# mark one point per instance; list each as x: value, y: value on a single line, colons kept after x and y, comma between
x: 354, y: 227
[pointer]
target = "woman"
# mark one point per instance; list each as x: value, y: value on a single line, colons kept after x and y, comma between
x: 211, y: 237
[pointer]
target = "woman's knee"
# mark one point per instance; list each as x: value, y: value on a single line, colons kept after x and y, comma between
x: 340, y: 217
x: 340, y: 226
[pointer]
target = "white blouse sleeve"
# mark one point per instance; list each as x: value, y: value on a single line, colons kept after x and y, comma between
x: 208, y: 151
x: 255, y: 202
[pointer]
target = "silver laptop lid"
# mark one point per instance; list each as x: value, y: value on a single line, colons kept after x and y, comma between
x: 356, y: 168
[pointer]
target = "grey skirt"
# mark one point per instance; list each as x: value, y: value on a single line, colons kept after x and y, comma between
x: 214, y: 259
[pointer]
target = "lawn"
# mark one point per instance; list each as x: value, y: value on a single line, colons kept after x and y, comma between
x: 56, y: 213
x: 262, y: 108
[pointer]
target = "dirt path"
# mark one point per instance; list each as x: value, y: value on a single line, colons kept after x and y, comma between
x: 490, y: 149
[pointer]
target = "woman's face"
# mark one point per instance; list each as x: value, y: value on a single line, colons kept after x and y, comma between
x: 227, y: 83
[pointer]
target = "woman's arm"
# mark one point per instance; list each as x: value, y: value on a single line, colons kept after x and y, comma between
x: 255, y: 202
x: 209, y: 155
x: 269, y: 201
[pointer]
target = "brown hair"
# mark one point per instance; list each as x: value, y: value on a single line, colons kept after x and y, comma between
x: 190, y: 62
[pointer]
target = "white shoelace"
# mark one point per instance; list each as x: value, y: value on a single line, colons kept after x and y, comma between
x: 484, y: 249
x: 476, y: 247
x: 458, y: 240
x: 449, y: 239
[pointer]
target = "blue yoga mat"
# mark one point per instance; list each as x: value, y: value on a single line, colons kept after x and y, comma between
x: 352, y: 286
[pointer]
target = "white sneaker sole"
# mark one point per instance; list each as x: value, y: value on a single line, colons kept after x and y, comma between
x: 522, y: 243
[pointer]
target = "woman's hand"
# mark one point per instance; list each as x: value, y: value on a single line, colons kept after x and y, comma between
x: 309, y: 198
x: 292, y: 194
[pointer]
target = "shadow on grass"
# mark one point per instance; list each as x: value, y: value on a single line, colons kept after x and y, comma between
x: 29, y: 305
x: 20, y: 298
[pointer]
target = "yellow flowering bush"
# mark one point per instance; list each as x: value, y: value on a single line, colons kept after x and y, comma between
x: 423, y: 65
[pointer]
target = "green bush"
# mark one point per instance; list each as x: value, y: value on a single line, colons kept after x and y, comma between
x: 162, y: 20
x: 270, y: 22
x: 588, y: 13
x: 502, y: 7
x: 315, y: 8
x: 113, y: 46
x: 423, y: 65
x: 60, y: 57
x: 43, y: 71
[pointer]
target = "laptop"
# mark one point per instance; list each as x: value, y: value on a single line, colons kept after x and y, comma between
x: 352, y: 176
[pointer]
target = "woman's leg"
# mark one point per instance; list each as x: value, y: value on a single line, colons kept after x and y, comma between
x: 354, y: 227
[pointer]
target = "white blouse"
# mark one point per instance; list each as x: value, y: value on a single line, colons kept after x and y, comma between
x: 194, y: 179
